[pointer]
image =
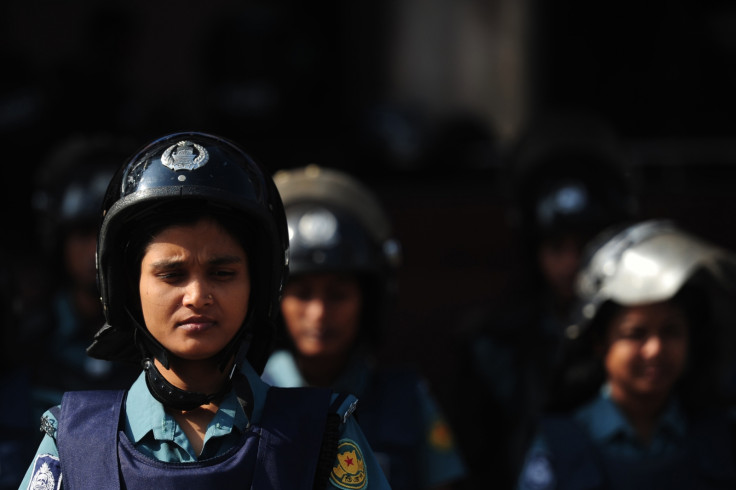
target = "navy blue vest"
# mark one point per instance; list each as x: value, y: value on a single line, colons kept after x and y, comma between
x: 707, y: 463
x: 390, y: 416
x: 280, y: 453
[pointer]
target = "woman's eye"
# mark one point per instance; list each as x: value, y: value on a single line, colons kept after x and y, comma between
x: 301, y: 294
x: 635, y: 334
x: 336, y: 297
x: 674, y: 331
x: 170, y: 276
x: 223, y: 273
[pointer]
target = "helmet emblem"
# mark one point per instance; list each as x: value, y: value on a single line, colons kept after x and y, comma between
x: 319, y: 228
x: 184, y: 155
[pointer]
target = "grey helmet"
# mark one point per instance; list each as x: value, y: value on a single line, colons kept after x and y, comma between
x: 337, y: 224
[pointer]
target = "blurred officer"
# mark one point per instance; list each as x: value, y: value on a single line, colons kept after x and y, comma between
x: 18, y: 427
x: 568, y: 180
x: 342, y: 282
x: 652, y: 299
x: 70, y: 186
x: 191, y: 259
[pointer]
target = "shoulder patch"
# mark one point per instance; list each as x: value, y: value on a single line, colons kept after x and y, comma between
x: 349, y: 471
x: 440, y: 436
x: 538, y: 474
x: 46, y: 473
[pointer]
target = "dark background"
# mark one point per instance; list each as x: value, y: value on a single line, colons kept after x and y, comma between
x: 303, y: 82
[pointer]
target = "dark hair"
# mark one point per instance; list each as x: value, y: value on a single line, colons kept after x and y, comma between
x: 701, y: 384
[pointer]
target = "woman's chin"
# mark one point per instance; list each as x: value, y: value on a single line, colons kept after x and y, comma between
x: 196, y: 355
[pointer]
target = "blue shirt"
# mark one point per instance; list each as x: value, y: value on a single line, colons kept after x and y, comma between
x: 439, y: 461
x: 156, y: 433
x: 612, y: 435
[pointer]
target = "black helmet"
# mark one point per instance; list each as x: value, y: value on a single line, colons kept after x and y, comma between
x: 337, y: 224
x: 71, y: 183
x: 176, y: 174
x: 570, y: 174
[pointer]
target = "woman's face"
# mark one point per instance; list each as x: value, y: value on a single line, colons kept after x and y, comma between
x: 646, y: 350
x: 194, y: 288
x: 322, y: 313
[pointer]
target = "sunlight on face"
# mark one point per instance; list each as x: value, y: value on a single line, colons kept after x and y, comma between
x: 194, y: 288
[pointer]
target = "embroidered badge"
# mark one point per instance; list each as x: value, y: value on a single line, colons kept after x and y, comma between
x: 349, y: 471
x: 46, y: 473
x: 184, y: 155
x: 440, y: 437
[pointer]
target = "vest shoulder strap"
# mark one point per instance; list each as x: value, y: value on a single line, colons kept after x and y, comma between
x: 294, y: 428
x: 85, y: 416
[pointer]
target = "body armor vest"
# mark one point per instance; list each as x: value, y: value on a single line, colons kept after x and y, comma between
x: 281, y: 452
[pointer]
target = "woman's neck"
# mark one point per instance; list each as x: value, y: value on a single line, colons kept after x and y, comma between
x: 198, y: 376
x: 321, y: 371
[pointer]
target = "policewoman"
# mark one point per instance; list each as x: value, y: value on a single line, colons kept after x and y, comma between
x: 342, y: 283
x: 657, y: 309
x: 192, y: 255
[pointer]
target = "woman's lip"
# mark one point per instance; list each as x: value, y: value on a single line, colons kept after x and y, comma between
x: 655, y: 371
x: 321, y: 336
x: 196, y: 325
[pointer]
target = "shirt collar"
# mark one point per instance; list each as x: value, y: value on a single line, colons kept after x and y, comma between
x: 259, y: 389
x: 281, y: 370
x: 610, y: 422
x: 145, y: 414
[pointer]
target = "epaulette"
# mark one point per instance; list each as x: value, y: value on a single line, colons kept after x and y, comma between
x: 48, y: 424
x: 344, y: 406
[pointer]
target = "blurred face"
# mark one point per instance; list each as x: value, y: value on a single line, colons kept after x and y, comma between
x: 322, y: 313
x: 194, y: 288
x: 79, y: 255
x: 559, y: 259
x: 646, y: 350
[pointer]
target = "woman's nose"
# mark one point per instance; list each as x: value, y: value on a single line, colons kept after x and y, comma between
x: 197, y: 294
x: 652, y: 346
x: 315, y: 308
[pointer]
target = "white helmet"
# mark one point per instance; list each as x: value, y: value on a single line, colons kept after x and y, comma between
x: 647, y: 262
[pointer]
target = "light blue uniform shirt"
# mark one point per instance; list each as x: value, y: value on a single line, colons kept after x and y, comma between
x: 611, y: 434
x: 156, y: 433
x: 439, y: 459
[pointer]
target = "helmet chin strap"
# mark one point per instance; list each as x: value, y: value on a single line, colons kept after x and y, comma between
x: 168, y: 394
x: 172, y: 397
